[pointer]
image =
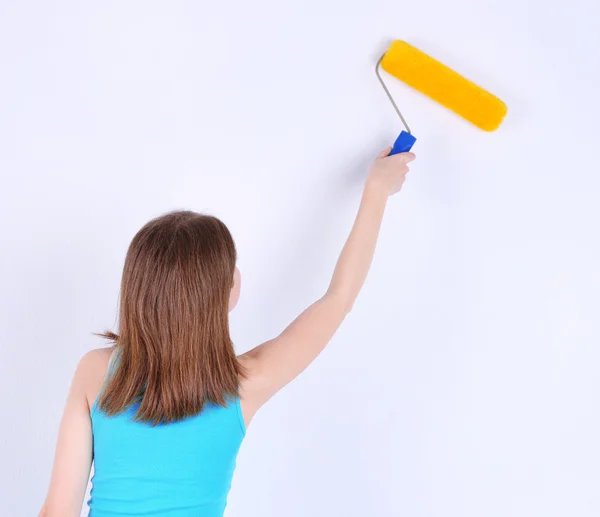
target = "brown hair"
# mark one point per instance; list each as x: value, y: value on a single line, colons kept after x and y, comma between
x: 174, y: 349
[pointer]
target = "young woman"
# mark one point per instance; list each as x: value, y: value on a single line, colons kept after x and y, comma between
x: 163, y: 412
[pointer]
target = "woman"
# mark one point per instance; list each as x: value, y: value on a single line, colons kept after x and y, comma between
x: 162, y: 412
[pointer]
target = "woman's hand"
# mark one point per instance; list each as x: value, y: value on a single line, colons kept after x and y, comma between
x: 389, y: 172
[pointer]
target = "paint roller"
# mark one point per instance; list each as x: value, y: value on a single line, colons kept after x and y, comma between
x: 440, y: 83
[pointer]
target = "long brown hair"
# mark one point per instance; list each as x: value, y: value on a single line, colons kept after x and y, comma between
x: 174, y: 349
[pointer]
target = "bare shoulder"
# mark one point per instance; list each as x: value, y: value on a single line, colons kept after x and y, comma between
x: 250, y: 364
x: 95, y: 362
x: 251, y: 385
x: 91, y: 372
x: 257, y: 371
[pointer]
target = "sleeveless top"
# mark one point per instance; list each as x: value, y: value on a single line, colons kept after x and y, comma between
x: 180, y: 469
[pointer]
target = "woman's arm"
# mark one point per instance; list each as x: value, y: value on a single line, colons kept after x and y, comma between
x: 73, y: 457
x: 275, y: 363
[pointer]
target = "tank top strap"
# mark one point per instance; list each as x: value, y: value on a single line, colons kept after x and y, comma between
x: 113, y: 360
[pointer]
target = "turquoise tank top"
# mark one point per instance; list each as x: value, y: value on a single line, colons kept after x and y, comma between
x: 181, y: 469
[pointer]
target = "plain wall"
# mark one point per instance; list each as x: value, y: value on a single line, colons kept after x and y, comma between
x: 465, y: 381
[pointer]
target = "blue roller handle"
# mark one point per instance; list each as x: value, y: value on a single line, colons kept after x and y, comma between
x: 403, y: 143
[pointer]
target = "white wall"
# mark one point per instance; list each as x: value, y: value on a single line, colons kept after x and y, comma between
x: 465, y: 382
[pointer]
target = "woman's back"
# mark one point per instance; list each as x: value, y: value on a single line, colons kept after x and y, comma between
x: 164, y: 427
x: 180, y: 469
